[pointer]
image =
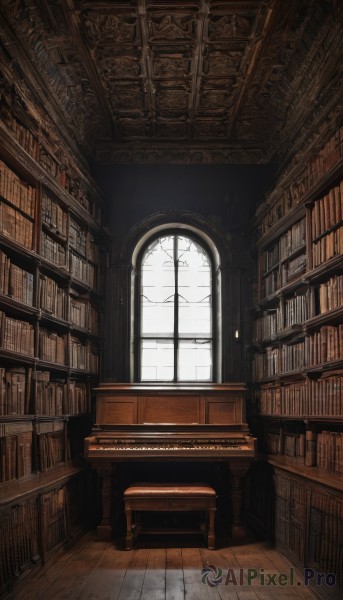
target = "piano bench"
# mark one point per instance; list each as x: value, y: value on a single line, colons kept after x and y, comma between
x: 170, y: 497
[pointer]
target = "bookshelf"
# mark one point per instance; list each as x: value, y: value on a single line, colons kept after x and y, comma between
x: 297, y: 360
x: 51, y: 290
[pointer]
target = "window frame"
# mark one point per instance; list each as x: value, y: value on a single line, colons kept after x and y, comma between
x: 178, y: 232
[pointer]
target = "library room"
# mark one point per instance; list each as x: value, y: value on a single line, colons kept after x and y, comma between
x: 171, y: 299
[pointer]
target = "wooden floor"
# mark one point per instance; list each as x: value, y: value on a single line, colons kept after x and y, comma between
x: 93, y: 570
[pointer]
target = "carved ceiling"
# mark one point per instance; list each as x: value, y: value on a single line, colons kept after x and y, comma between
x: 197, y: 81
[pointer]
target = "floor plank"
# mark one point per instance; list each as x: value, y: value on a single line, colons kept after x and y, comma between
x: 161, y: 569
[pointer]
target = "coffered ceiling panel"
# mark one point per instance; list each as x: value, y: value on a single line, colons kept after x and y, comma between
x: 185, y: 82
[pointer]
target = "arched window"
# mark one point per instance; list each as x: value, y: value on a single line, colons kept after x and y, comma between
x: 175, y: 324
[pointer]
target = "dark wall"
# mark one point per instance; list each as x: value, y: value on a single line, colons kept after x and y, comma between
x: 228, y: 193
x: 225, y: 197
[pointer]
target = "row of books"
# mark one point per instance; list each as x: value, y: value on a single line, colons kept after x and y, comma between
x: 290, y: 515
x: 19, y: 541
x: 53, y: 251
x: 16, y: 226
x: 292, y: 192
x: 55, y: 506
x: 15, y: 390
x: 52, y: 450
x: 331, y: 294
x: 78, y: 237
x: 79, y: 267
x: 270, y: 283
x: 84, y: 315
x: 68, y: 181
x: 52, y: 347
x: 82, y: 357
x: 53, y: 215
x: 295, y: 312
x: 59, y: 397
x: 291, y: 445
x: 267, y: 325
x: 323, y: 346
x: 293, y: 239
x: 16, y: 191
x: 82, y: 270
x: 16, y: 452
x: 16, y: 336
x: 52, y: 297
x: 33, y: 528
x: 292, y: 268
x: 324, y: 450
x: 20, y: 132
x: 49, y: 396
x: 14, y: 281
x: 324, y: 548
x: 330, y: 451
x: 321, y: 397
x: 270, y: 257
x: 327, y: 212
x: 19, y: 284
x: 275, y: 361
x: 283, y: 274
x: 68, y: 177
x: 327, y: 247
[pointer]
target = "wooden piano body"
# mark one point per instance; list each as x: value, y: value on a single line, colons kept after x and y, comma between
x: 164, y: 423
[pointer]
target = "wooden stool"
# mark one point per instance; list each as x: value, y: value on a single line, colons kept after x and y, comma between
x: 170, y: 497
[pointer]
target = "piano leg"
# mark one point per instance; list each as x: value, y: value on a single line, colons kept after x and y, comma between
x: 104, y: 530
x: 238, y: 531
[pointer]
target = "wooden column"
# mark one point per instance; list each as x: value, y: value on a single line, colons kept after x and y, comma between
x: 104, y: 529
x: 237, y: 485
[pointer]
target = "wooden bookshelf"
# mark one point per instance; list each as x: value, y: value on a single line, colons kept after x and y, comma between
x: 297, y: 361
x: 51, y: 289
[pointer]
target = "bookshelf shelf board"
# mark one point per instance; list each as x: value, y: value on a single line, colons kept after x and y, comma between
x: 327, y: 231
x: 33, y: 172
x: 52, y: 366
x: 322, y: 271
x: 327, y: 366
x: 270, y: 269
x: 22, y: 359
x: 293, y: 254
x: 304, y: 418
x: 84, y: 332
x: 311, y: 473
x: 334, y: 315
x: 79, y: 372
x: 17, y: 209
x: 52, y: 320
x: 18, y: 250
x: 296, y: 332
x: 324, y: 182
x: 54, y: 233
x: 296, y: 283
x: 18, y: 307
x: 52, y: 270
x: 277, y: 229
x: 279, y: 377
x: 18, y: 489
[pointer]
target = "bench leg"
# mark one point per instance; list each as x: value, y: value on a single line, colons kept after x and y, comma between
x: 211, y: 538
x: 129, y: 537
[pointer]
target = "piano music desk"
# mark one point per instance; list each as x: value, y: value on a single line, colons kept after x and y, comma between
x: 170, y: 497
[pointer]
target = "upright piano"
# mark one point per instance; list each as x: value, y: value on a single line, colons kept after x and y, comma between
x: 164, y: 423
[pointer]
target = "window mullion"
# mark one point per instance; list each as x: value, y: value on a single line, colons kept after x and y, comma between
x: 176, y: 306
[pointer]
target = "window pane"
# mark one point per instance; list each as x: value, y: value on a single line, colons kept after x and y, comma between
x: 194, y: 287
x: 157, y: 360
x: 195, y: 360
x: 158, y: 288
